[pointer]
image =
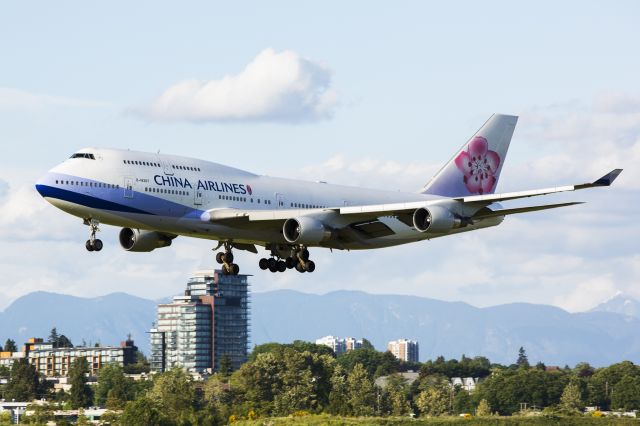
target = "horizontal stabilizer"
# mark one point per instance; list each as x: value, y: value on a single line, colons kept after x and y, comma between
x: 487, y: 213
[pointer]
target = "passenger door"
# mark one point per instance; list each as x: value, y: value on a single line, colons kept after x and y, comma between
x: 128, y: 187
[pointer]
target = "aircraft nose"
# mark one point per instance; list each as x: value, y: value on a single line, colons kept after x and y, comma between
x: 42, y: 183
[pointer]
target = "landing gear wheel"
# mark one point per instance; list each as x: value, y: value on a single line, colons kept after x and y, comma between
x: 290, y: 262
x: 273, y: 268
x: 272, y: 264
x: 263, y: 264
x: 300, y: 268
x: 304, y: 254
x: 225, y: 259
x: 282, y: 266
x: 92, y: 243
x: 310, y: 266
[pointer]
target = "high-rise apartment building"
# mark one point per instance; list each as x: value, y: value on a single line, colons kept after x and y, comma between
x: 404, y: 349
x: 210, y: 321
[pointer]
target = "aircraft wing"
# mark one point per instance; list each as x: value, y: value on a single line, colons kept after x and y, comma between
x: 605, y: 180
x: 367, y: 218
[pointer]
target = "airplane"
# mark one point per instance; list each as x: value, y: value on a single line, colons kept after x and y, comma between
x: 156, y: 197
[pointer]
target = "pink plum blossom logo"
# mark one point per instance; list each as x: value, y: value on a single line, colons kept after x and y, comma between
x: 478, y: 164
x: 249, y: 190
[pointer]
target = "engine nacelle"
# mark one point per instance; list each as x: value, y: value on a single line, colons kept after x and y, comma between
x: 435, y: 219
x: 305, y: 230
x: 137, y: 240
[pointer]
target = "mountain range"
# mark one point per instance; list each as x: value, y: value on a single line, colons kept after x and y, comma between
x: 609, y: 333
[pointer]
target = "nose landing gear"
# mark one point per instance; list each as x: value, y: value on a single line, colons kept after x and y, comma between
x: 93, y: 243
x: 226, y: 260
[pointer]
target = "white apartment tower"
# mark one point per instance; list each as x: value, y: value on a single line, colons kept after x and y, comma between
x: 404, y: 349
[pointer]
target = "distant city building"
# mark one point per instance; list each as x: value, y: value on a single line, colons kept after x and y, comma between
x: 8, y: 358
x: 338, y: 344
x: 210, y: 321
x: 408, y: 376
x: 335, y: 343
x: 467, y: 383
x: 351, y: 343
x: 404, y: 349
x: 51, y: 361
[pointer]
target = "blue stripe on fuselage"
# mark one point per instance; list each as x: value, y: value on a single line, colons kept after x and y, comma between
x: 100, y: 195
x: 85, y: 200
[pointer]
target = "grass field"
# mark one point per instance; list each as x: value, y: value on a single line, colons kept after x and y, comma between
x: 322, y: 420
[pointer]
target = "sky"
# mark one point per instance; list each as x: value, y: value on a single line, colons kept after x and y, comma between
x: 372, y: 94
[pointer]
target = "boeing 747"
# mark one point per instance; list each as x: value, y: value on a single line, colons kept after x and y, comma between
x: 156, y: 197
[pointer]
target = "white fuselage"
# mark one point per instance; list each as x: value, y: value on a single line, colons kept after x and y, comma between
x: 170, y: 194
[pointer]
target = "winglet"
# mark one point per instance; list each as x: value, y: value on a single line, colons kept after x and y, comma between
x: 608, y: 179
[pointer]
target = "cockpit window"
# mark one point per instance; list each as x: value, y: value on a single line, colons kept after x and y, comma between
x: 83, y: 155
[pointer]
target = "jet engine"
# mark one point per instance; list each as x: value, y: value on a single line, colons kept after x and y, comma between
x: 137, y: 240
x: 435, y: 219
x: 305, y: 230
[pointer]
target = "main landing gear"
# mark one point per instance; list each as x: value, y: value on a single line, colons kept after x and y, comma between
x: 298, y: 259
x: 93, y: 244
x: 226, y: 260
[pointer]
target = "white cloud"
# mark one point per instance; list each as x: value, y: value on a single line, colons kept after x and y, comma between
x: 15, y: 99
x: 275, y: 86
x: 585, y: 140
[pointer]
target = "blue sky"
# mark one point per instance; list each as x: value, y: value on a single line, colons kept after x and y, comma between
x: 409, y: 82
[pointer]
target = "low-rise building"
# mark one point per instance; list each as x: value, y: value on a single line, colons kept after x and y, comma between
x: 467, y: 383
x: 8, y: 358
x: 56, y: 362
x: 404, y: 349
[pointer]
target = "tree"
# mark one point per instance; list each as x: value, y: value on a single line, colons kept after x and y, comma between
x: 140, y: 366
x: 602, y: 383
x: 64, y: 342
x: 24, y: 382
x: 338, y: 398
x: 10, y: 346
x: 174, y: 395
x: 113, y: 389
x: 225, y: 366
x: 366, y: 344
x: 571, y: 400
x: 484, y: 409
x: 522, y: 361
x: 53, y: 336
x: 397, y: 392
x: 6, y: 418
x: 361, y: 394
x: 433, y: 401
x: 143, y: 411
x: 218, y: 399
x: 626, y: 393
x: 59, y: 340
x: 80, y: 394
x: 41, y: 415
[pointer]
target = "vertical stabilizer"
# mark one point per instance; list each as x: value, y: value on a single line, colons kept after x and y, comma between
x: 476, y: 167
